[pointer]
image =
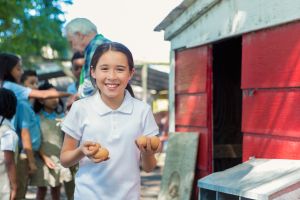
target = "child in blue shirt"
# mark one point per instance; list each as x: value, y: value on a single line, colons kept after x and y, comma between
x: 28, y: 128
x: 49, y: 110
x: 10, y: 78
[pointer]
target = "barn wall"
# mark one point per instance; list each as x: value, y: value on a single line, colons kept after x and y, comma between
x: 193, y: 101
x: 271, y: 93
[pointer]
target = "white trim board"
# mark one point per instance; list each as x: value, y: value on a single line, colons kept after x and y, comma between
x: 206, y: 21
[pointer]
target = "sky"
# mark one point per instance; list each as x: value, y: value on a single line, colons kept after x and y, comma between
x: 130, y: 22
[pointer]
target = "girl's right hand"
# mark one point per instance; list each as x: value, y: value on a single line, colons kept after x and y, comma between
x: 87, y: 150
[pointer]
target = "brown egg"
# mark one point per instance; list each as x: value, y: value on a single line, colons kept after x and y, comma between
x: 102, y: 154
x: 154, y: 140
x: 92, y: 147
x: 142, y: 140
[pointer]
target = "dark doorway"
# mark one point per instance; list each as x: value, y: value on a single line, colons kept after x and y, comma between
x: 227, y: 103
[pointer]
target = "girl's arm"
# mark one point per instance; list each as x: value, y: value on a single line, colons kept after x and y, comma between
x: 71, y: 153
x: 148, y: 162
x: 147, y: 156
x: 44, y: 94
x: 27, y: 146
x: 11, y: 171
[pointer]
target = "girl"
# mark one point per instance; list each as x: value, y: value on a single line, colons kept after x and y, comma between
x: 49, y: 110
x: 8, y: 144
x: 10, y: 76
x: 114, y: 119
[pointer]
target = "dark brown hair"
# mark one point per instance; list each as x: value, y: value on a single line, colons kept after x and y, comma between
x: 38, y: 106
x: 7, y: 63
x: 8, y: 103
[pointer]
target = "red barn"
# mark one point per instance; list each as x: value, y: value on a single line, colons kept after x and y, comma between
x: 235, y: 79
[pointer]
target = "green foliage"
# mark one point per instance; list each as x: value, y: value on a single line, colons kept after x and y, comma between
x: 28, y: 25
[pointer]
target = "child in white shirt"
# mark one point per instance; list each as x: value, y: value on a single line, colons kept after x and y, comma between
x: 113, y: 118
x: 8, y: 145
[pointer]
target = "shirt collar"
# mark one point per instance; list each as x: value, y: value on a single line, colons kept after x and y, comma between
x: 97, y: 37
x: 7, y: 122
x: 51, y: 116
x: 126, y: 106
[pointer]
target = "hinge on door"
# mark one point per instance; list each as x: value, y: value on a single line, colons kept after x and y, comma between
x: 249, y: 92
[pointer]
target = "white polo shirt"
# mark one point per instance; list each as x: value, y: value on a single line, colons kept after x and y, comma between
x: 8, y: 142
x: 90, y: 119
x: 9, y: 138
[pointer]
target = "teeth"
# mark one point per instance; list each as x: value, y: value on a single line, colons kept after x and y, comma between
x: 111, y: 85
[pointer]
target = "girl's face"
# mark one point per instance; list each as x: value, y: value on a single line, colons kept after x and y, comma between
x: 112, y: 74
x: 17, y: 72
x: 50, y: 104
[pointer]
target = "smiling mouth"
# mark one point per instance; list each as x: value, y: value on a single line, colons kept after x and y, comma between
x: 111, y: 86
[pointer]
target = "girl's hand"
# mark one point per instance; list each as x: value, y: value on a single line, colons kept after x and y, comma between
x: 95, y: 160
x: 49, y: 162
x: 89, y: 148
x: 147, y: 150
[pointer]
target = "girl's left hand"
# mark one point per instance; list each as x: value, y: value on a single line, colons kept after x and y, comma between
x: 147, y: 150
x: 49, y: 162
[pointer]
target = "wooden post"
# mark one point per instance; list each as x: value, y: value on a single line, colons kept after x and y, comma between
x: 144, y: 81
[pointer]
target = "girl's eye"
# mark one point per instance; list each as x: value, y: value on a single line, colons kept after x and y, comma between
x: 104, y: 68
x: 120, y: 69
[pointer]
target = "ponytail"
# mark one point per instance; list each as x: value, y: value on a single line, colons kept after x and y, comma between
x: 130, y: 90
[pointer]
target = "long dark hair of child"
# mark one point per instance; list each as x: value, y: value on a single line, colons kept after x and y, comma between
x: 8, y: 104
x: 7, y: 62
x: 114, y: 46
x: 37, y: 106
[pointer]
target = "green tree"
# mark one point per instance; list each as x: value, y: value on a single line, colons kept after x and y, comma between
x: 29, y: 26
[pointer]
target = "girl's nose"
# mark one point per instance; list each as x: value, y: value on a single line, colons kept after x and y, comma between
x: 111, y: 74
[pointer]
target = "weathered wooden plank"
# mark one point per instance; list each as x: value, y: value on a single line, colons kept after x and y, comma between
x: 191, y: 70
x: 291, y: 192
x: 191, y: 110
x: 272, y: 112
x: 271, y: 57
x: 227, y: 19
x: 263, y: 146
x: 262, y: 179
x: 179, y: 169
x: 202, y: 158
